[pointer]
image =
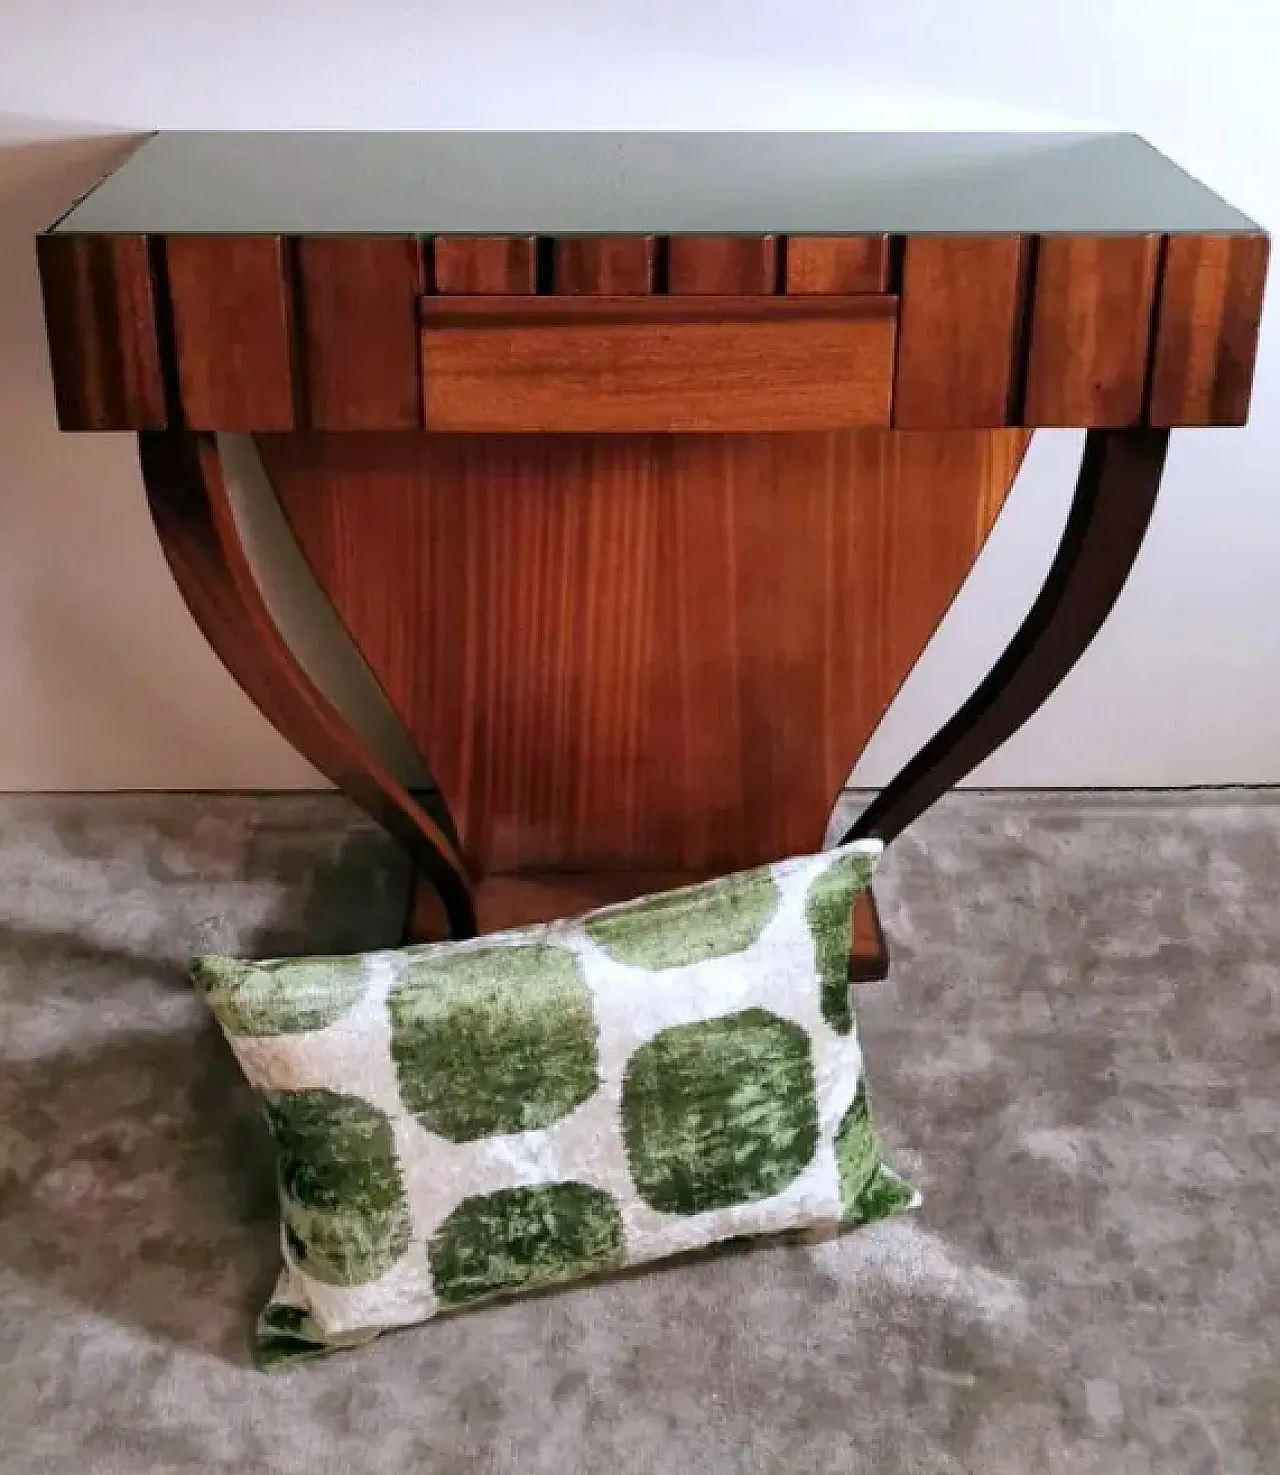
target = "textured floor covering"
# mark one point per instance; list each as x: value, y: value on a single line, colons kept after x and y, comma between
x: 1078, y: 1057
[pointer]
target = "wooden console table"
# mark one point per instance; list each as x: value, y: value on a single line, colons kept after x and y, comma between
x: 632, y: 473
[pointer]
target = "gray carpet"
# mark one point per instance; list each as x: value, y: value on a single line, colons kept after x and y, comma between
x: 1078, y: 1058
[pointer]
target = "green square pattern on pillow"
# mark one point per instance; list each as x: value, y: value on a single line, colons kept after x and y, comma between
x: 459, y: 1121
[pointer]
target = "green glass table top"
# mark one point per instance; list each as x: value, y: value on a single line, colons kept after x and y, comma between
x: 662, y: 183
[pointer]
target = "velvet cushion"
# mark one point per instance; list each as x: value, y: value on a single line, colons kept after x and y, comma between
x: 460, y: 1121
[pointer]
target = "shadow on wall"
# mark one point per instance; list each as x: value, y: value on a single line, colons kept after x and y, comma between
x: 91, y: 628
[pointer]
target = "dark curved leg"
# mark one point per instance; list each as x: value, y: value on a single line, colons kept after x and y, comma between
x: 1115, y: 495
x: 189, y: 502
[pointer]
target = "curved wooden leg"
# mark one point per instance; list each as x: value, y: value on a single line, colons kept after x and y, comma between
x: 1115, y: 495
x: 188, y: 496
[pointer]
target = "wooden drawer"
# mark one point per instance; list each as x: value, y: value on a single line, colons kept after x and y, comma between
x: 511, y: 364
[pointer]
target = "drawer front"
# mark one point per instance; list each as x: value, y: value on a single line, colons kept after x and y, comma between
x: 529, y: 364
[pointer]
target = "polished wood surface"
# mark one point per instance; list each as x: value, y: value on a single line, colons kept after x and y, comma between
x: 1114, y: 499
x: 962, y: 304
x: 467, y: 264
x: 523, y: 900
x: 189, y: 502
x: 1091, y: 330
x: 503, y: 902
x: 233, y: 332
x: 722, y: 265
x: 539, y: 364
x: 837, y: 264
x: 868, y: 950
x: 360, y: 350
x: 103, y: 344
x: 276, y: 333
x: 1207, y: 340
x: 641, y: 651
x: 605, y: 266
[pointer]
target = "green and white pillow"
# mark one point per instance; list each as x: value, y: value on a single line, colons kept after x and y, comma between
x: 459, y: 1121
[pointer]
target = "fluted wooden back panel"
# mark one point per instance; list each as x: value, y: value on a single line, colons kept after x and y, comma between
x: 641, y: 650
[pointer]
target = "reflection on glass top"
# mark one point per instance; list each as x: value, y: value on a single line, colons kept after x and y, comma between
x: 567, y: 183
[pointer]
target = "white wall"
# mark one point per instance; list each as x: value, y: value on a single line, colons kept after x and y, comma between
x: 105, y: 683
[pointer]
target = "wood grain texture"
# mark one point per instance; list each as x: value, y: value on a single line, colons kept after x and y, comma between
x: 724, y: 265
x: 1207, y: 334
x: 604, y: 266
x: 233, y: 332
x: 1115, y: 496
x: 467, y: 264
x: 523, y: 900
x: 503, y: 902
x: 961, y: 311
x: 359, y: 336
x: 868, y: 951
x: 1091, y: 330
x: 101, y: 320
x: 189, y: 502
x: 656, y: 363
x: 837, y: 264
x: 645, y: 652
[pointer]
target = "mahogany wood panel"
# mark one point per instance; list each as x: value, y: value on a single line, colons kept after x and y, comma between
x: 649, y: 652
x: 359, y: 340
x: 467, y: 264
x: 837, y: 264
x: 239, y: 360
x: 522, y: 900
x: 101, y: 321
x: 233, y: 332
x: 547, y: 896
x: 1207, y: 335
x: 1091, y: 330
x: 656, y: 363
x: 961, y: 311
x: 1115, y: 496
x: 724, y: 265
x: 868, y: 951
x: 192, y: 511
x: 604, y: 266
